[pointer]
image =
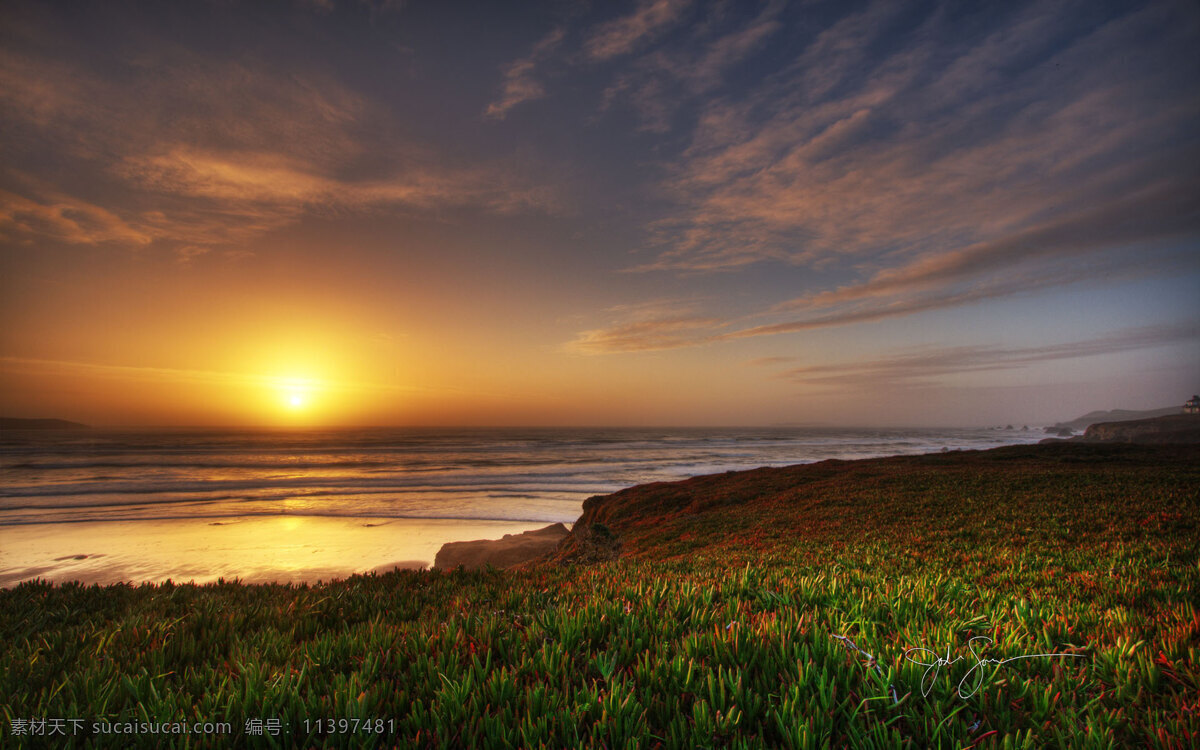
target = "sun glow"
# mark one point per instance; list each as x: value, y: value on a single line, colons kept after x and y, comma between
x: 297, y: 393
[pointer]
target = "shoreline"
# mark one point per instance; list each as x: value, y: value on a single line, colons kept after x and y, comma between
x: 767, y: 582
x: 209, y: 549
x: 281, y: 549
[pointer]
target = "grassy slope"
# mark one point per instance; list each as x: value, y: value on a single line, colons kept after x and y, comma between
x: 716, y: 627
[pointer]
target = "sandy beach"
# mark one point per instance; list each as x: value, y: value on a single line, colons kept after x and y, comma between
x: 254, y: 550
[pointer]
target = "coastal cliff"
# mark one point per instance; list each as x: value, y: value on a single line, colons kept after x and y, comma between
x: 1176, y: 428
x: 506, y: 552
x: 747, y: 514
x: 1112, y: 415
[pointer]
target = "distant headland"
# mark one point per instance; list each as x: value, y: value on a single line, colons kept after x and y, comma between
x: 13, y: 423
x: 1171, y: 429
x: 1112, y: 415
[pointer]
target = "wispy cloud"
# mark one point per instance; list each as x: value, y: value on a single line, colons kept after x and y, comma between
x: 660, y: 82
x: 827, y: 310
x: 199, y: 153
x: 655, y: 71
x: 612, y: 39
x: 845, y: 155
x: 520, y: 77
x: 66, y: 219
x: 1159, y: 213
x: 648, y: 326
x: 622, y: 35
x: 921, y: 366
x: 954, y: 169
x: 268, y: 178
x: 647, y: 335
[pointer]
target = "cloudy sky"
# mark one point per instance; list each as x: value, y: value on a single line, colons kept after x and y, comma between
x: 648, y: 212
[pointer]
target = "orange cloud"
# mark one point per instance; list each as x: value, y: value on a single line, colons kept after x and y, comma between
x: 65, y: 218
x: 647, y: 335
x: 251, y: 151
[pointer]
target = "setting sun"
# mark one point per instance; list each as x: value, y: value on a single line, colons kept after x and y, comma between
x: 296, y: 393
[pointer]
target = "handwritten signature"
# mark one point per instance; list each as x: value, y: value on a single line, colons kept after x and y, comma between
x: 973, y: 679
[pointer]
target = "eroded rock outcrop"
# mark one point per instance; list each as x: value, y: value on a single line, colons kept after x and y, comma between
x: 509, y: 550
x: 589, y: 543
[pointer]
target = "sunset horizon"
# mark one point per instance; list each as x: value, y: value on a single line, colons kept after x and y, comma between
x: 651, y: 213
x: 572, y: 374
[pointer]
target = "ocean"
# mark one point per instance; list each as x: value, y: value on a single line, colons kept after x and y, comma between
x: 121, y: 490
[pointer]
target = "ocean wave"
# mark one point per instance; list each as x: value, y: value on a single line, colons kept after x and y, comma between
x: 548, y: 518
x: 122, y: 501
x: 356, y: 486
x: 180, y: 473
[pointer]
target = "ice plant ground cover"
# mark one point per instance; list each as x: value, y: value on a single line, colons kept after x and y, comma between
x: 776, y: 607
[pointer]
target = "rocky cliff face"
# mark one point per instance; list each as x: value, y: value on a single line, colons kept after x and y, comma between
x: 589, y: 543
x: 1176, y: 428
x: 512, y: 549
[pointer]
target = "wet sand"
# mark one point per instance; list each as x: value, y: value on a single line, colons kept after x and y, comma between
x: 288, y: 549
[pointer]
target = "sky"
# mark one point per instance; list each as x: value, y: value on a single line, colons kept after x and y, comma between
x: 651, y: 212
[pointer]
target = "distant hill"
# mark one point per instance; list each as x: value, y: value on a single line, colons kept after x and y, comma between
x: 12, y: 423
x: 1115, y: 415
x: 1172, y: 428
